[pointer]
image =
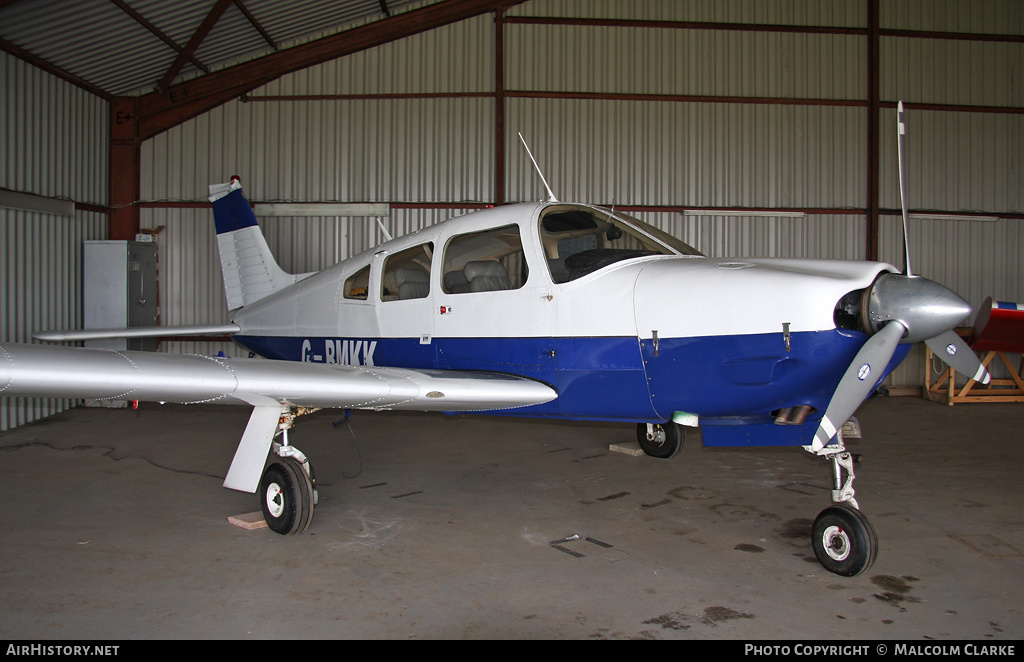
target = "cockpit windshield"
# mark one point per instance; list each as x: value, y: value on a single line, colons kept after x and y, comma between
x: 580, y: 240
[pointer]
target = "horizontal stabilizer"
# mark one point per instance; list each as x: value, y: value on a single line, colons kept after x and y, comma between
x: 137, y: 332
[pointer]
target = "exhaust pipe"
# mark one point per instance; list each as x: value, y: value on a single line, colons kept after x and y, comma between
x: 793, y: 415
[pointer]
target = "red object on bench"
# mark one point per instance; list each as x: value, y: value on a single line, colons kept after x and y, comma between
x: 999, y: 327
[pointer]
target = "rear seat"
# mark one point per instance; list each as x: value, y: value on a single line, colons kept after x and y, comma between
x: 486, y: 276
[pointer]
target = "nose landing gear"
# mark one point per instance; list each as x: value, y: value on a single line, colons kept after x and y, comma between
x: 844, y: 541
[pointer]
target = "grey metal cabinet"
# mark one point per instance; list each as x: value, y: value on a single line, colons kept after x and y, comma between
x: 120, y: 290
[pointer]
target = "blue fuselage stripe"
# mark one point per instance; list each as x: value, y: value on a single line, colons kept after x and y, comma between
x: 723, y: 379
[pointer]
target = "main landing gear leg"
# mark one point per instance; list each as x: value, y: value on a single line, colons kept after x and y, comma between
x: 288, y: 487
x: 844, y: 540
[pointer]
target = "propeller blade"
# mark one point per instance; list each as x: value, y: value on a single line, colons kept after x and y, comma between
x: 955, y: 353
x: 947, y: 345
x: 859, y: 381
x: 902, y: 127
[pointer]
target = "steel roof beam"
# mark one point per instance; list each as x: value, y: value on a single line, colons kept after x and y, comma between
x: 157, y: 32
x: 193, y: 43
x: 162, y: 110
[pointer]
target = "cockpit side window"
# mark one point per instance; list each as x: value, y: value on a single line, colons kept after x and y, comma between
x: 579, y: 240
x: 485, y: 261
x: 406, y: 274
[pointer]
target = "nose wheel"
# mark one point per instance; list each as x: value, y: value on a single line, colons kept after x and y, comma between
x: 844, y: 540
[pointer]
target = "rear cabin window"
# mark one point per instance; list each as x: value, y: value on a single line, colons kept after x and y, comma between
x: 406, y: 274
x: 485, y: 261
x: 357, y: 285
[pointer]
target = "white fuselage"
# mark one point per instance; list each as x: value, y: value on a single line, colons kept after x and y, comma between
x: 636, y: 339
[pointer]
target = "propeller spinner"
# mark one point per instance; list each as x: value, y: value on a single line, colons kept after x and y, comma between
x: 900, y: 308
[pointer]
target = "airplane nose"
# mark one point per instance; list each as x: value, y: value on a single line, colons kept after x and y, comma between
x: 923, y: 306
x: 899, y: 309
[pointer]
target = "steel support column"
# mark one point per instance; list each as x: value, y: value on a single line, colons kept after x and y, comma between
x: 123, y: 163
x: 874, y: 105
x: 499, y: 107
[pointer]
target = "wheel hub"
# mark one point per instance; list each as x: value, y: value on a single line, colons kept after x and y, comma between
x: 275, y: 501
x: 656, y: 434
x: 836, y: 543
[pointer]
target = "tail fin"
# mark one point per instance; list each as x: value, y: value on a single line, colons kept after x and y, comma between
x: 250, y: 270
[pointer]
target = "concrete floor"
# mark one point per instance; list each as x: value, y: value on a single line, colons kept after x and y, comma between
x: 433, y: 527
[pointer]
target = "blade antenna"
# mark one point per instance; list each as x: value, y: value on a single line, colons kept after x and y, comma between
x: 903, y: 188
x: 551, y: 195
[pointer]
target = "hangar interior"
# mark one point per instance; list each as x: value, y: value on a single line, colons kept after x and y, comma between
x: 746, y: 128
x: 743, y: 128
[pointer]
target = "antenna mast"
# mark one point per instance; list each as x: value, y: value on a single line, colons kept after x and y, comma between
x: 551, y: 195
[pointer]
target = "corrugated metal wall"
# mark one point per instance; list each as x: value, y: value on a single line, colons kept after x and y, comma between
x: 423, y: 150
x: 54, y: 144
x: 689, y: 154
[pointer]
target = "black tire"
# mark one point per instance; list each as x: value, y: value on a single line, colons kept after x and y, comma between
x: 666, y: 442
x: 844, y: 540
x: 286, y: 496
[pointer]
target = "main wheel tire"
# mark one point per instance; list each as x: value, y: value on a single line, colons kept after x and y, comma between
x: 286, y: 496
x: 844, y: 540
x: 664, y: 440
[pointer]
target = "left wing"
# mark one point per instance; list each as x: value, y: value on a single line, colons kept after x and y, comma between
x: 272, y: 387
x: 102, y: 374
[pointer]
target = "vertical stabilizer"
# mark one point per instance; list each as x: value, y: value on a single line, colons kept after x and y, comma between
x: 250, y: 270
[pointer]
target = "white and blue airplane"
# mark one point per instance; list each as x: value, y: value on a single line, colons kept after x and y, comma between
x: 549, y: 309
